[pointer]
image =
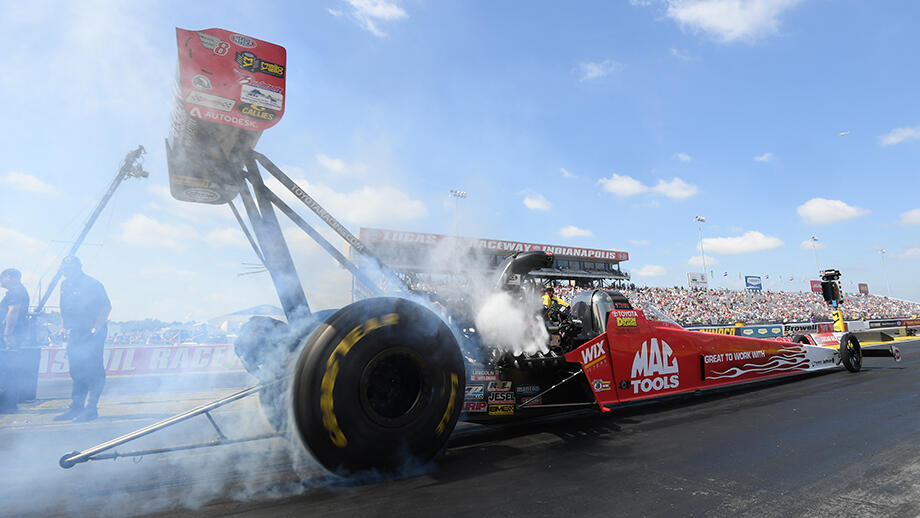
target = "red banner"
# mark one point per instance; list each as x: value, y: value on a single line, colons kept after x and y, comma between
x: 143, y: 361
x: 816, y: 286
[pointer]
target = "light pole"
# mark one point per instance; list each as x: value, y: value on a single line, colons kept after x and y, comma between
x: 882, y: 252
x: 457, y: 195
x: 814, y: 247
x: 699, y: 221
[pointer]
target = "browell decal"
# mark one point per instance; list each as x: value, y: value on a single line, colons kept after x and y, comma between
x: 654, y: 368
x: 593, y: 354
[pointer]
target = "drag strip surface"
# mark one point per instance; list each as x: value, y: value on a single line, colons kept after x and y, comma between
x: 829, y: 444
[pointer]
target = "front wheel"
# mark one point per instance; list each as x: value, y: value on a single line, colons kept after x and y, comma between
x: 850, y: 352
x: 378, y: 386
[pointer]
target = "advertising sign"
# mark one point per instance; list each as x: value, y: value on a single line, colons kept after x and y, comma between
x: 863, y: 288
x: 761, y: 331
x: 144, y: 361
x: 697, y: 280
x: 815, y: 286
x: 753, y: 282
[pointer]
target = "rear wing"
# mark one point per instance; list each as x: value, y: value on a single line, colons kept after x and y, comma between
x: 229, y: 88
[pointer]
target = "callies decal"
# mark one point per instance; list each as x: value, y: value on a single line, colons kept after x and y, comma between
x: 654, y: 368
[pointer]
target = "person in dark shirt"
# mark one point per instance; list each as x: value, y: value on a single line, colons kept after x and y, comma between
x: 85, y: 309
x: 13, y: 333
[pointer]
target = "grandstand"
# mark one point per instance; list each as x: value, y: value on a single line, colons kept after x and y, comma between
x: 416, y: 256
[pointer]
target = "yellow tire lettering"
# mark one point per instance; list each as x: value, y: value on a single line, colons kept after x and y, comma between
x: 454, y: 383
x: 327, y: 385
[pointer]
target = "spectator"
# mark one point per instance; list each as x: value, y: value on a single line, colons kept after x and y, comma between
x: 85, y: 310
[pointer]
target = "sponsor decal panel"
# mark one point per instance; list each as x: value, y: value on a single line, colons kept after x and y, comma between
x: 474, y: 392
x: 251, y: 63
x: 654, y: 368
x: 530, y: 400
x: 261, y: 97
x: 214, y: 44
x: 221, y: 117
x: 210, y: 101
x: 483, y: 375
x: 593, y: 354
x: 527, y: 390
x: 243, y: 41
x: 501, y: 397
x: 499, y: 386
x: 201, y: 82
x: 257, y: 112
x: 474, y: 406
x: 501, y: 409
x: 625, y: 318
x: 600, y: 385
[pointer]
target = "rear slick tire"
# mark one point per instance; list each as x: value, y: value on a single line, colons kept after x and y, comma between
x: 378, y: 387
x: 850, y: 352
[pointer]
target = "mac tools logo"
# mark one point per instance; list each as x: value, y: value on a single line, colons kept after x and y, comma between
x: 654, y: 367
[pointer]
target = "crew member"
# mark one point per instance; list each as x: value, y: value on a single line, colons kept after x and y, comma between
x: 549, y: 298
x: 85, y: 310
x: 13, y: 310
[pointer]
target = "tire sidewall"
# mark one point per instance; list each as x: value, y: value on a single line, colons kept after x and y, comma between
x: 342, y: 435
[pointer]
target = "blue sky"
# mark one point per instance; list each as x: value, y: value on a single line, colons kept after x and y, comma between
x: 598, y: 124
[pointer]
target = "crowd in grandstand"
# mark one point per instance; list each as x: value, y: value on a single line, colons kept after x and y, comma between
x: 722, y: 306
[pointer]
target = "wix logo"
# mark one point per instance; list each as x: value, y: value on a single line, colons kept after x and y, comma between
x: 593, y: 354
x: 654, y: 367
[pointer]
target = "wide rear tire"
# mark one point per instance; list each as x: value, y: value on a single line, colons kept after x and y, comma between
x: 378, y: 386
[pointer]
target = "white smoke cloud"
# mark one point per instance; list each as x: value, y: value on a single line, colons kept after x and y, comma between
x: 507, y: 324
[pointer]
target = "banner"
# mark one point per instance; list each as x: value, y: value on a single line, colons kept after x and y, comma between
x: 815, y: 286
x: 753, y: 282
x: 875, y: 324
x: 804, y: 328
x: 761, y: 331
x: 857, y: 325
x: 697, y: 280
x: 863, y: 288
x: 143, y: 361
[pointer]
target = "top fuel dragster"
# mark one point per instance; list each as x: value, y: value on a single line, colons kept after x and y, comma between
x: 388, y: 377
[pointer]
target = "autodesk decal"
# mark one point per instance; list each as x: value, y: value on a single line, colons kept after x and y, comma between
x: 654, y: 367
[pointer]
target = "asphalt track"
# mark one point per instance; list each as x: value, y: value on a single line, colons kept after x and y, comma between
x: 828, y: 444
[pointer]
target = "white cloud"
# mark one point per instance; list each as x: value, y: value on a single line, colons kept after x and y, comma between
x: 537, y: 202
x: 592, y: 70
x: 28, y: 183
x: 335, y: 165
x: 367, y: 205
x: 898, y: 135
x: 639, y: 242
x: 622, y: 185
x: 697, y: 261
x: 684, y: 157
x: 566, y: 173
x: 819, y: 211
x: 750, y: 241
x: 681, y: 54
x: 766, y: 157
x: 911, y: 217
x: 808, y: 244
x: 146, y: 231
x: 676, y: 189
x: 910, y: 253
x: 573, y: 231
x: 730, y: 20
x: 651, y: 270
x: 368, y: 14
